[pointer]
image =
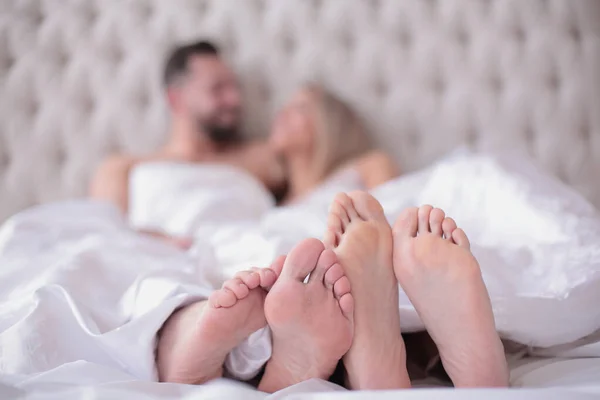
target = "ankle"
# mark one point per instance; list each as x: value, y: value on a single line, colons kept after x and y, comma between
x: 385, y: 371
x: 275, y: 378
x: 483, y: 370
x: 279, y: 375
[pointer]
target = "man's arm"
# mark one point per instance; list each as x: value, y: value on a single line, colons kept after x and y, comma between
x: 111, y: 181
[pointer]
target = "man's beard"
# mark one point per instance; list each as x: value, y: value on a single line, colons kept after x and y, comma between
x: 220, y: 134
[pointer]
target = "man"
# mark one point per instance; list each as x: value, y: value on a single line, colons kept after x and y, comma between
x: 204, y: 99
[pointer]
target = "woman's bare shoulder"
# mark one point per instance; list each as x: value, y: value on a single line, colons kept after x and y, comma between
x: 376, y: 159
x: 376, y: 167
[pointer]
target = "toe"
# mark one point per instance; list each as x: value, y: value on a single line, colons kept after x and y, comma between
x: 330, y: 239
x: 238, y: 287
x: 222, y: 298
x: 333, y: 274
x: 367, y: 206
x: 302, y: 260
x: 407, y: 223
x: 448, y: 226
x: 423, y: 218
x: 460, y: 238
x: 347, y: 306
x: 435, y: 221
x: 335, y: 227
x: 346, y: 202
x: 268, y: 277
x: 326, y: 260
x: 338, y: 210
x: 341, y: 287
x: 277, y: 265
x: 250, y: 278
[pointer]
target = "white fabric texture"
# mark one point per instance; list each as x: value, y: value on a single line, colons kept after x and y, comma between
x: 212, y: 197
x: 80, y: 80
x: 80, y: 291
x: 53, y: 389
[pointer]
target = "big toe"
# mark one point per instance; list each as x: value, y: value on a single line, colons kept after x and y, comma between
x: 302, y: 260
x: 407, y: 223
x: 366, y: 206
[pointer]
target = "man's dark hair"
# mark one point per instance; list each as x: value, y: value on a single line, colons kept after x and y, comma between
x: 176, y: 66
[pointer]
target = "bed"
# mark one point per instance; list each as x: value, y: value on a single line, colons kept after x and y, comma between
x: 80, y: 80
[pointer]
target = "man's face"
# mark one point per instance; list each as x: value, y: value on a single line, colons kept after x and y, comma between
x: 210, y: 96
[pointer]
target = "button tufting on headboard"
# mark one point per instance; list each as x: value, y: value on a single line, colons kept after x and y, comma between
x: 380, y: 89
x: 405, y: 38
x: 288, y: 44
x: 81, y: 79
x: 4, y: 160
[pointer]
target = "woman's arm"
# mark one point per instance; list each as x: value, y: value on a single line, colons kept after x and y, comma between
x: 260, y: 160
x: 376, y: 167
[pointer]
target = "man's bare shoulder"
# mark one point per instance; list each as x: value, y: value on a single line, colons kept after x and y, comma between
x: 117, y: 165
x: 113, y: 172
x: 121, y: 163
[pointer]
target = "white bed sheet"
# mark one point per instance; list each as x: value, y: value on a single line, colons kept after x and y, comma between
x: 578, y: 388
x: 77, y: 284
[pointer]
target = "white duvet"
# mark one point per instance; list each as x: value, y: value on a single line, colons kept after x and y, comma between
x: 82, y: 295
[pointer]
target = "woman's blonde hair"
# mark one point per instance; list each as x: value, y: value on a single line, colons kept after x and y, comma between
x: 340, y: 135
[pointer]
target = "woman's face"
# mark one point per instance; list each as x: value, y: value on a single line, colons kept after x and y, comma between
x: 293, y: 129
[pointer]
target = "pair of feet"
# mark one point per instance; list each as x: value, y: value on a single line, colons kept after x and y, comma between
x: 320, y: 312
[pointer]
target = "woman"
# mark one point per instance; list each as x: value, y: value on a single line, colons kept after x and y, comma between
x: 321, y: 141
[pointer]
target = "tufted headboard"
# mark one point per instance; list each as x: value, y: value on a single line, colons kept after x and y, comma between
x: 80, y: 79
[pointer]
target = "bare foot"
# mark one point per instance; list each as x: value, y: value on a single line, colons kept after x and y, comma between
x: 435, y: 267
x: 362, y: 239
x: 195, y: 340
x: 311, y: 323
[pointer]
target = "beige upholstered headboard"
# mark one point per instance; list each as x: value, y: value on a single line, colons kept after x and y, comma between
x: 80, y: 79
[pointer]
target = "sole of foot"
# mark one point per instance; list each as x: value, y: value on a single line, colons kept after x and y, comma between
x: 434, y: 265
x: 362, y: 239
x: 311, y: 320
x: 196, y: 339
